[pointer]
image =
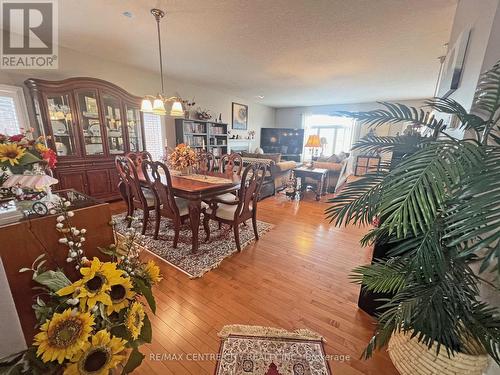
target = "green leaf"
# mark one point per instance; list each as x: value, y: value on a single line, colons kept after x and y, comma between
x: 145, y: 290
x: 54, y: 280
x: 146, y: 331
x: 134, y: 361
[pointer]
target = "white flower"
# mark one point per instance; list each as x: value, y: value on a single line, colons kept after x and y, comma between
x: 60, y: 218
x: 69, y: 260
x: 84, y: 259
x: 80, y: 252
x: 73, y: 254
x: 59, y: 225
x: 77, y: 267
x: 71, y: 243
x: 78, y: 244
x: 76, y: 232
x: 82, y: 239
x: 83, y: 231
x: 63, y: 240
x: 73, y: 301
x: 67, y: 204
x: 132, y: 273
x: 52, y: 212
x: 71, y: 213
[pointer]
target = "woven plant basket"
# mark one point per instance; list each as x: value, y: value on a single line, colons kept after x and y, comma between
x: 411, y: 357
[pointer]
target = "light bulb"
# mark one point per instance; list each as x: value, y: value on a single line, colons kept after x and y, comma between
x: 146, y: 105
x: 177, y: 110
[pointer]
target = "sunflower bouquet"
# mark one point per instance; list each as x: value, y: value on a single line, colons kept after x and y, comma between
x: 19, y: 152
x: 95, y: 324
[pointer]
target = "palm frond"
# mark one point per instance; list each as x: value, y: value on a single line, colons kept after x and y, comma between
x: 357, y: 202
x: 487, y: 95
x: 418, y: 186
x: 450, y: 106
x: 473, y: 217
x: 395, y: 113
x: 381, y: 276
x: 387, y: 144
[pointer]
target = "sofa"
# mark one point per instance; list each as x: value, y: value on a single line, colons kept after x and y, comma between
x: 334, y: 164
x: 278, y: 172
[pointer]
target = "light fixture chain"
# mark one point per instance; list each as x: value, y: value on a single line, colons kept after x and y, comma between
x: 159, y: 48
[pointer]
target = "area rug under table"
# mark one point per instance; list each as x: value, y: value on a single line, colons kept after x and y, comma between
x: 255, y: 350
x: 209, y: 255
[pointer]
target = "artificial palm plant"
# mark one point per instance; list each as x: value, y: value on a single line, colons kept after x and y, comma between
x: 440, y: 208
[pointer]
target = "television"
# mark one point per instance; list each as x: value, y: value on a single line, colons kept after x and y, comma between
x: 287, y: 142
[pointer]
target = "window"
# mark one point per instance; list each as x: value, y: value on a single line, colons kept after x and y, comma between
x: 13, y: 114
x: 335, y: 132
x: 153, y: 134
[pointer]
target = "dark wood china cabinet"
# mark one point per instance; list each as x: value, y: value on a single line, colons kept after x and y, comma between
x: 89, y: 122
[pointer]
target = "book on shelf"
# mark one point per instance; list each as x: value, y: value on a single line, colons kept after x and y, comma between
x: 194, y: 127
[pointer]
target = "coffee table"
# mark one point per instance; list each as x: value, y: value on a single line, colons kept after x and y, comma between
x: 317, y: 174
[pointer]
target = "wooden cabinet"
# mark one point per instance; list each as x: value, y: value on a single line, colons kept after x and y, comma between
x: 90, y: 122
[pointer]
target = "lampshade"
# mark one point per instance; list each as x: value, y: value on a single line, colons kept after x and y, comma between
x: 177, y: 110
x: 146, y: 105
x: 313, y: 141
x: 159, y: 107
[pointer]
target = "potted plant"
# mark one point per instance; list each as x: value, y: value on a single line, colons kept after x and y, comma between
x: 439, y: 206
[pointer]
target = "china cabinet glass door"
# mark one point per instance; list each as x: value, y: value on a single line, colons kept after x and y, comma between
x: 134, y: 128
x: 61, y: 124
x: 113, y: 122
x: 90, y: 122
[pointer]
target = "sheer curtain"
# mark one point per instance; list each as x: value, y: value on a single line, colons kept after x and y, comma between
x: 336, y: 132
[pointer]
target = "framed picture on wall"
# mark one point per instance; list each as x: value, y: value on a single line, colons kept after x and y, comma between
x: 240, y: 116
x: 453, y: 65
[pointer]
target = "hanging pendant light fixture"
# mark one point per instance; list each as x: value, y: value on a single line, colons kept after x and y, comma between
x: 156, y: 104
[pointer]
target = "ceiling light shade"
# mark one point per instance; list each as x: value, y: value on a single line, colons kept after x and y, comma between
x: 313, y: 141
x: 159, y: 106
x: 146, y: 105
x: 177, y: 110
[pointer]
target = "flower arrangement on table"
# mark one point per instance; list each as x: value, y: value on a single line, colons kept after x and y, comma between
x: 96, y: 323
x: 182, y: 157
x: 21, y: 151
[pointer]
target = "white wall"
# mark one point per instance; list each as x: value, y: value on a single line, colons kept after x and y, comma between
x: 477, y: 16
x: 140, y: 82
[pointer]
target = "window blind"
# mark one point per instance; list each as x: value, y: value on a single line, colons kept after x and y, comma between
x: 153, y: 133
x: 9, y: 122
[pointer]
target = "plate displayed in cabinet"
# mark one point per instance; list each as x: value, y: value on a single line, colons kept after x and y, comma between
x: 59, y: 128
x: 95, y: 130
x: 61, y: 149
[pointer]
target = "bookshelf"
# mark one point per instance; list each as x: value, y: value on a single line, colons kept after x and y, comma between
x: 199, y: 134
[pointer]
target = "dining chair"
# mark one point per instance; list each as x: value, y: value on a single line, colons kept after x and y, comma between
x: 231, y: 163
x: 206, y: 162
x: 243, y: 208
x: 123, y: 187
x: 140, y: 196
x: 166, y: 204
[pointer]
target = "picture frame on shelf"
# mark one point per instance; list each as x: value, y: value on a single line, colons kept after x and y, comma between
x: 239, y: 116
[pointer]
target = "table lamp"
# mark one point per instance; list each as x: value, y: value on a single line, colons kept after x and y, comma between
x: 313, y: 142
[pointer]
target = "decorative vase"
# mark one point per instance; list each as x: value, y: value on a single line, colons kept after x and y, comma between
x: 411, y: 357
x: 185, y: 171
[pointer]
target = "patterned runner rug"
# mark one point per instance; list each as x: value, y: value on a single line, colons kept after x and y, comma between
x: 209, y: 255
x: 255, y: 350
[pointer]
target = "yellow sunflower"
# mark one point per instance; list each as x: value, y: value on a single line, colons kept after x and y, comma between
x: 64, y: 335
x: 134, y: 319
x: 11, y: 152
x: 120, y: 294
x: 152, y: 272
x: 98, y: 357
x: 94, y: 286
x: 40, y: 147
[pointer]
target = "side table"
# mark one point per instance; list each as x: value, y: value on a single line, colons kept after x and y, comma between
x: 319, y: 175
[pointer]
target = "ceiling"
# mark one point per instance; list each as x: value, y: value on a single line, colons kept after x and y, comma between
x: 292, y: 52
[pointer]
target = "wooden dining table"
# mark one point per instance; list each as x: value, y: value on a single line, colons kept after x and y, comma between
x: 198, y: 190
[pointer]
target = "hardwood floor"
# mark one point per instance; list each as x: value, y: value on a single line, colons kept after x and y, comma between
x: 296, y: 276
